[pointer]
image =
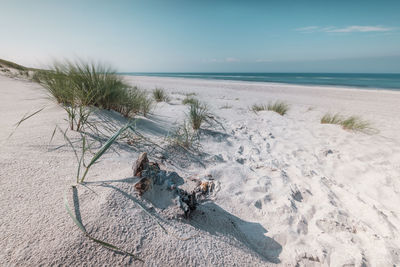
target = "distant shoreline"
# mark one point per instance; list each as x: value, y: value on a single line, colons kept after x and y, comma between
x: 367, y: 81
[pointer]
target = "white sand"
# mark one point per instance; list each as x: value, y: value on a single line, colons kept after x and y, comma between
x: 282, y: 197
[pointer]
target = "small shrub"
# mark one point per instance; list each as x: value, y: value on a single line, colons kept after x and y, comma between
x: 279, y: 107
x: 160, y: 95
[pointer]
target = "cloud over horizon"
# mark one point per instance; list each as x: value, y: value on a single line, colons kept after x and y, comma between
x: 352, y: 28
x: 225, y: 60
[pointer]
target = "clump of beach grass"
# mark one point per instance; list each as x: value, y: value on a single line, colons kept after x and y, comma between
x: 352, y: 123
x: 258, y: 107
x: 188, y: 100
x: 198, y: 114
x: 13, y: 65
x: 279, y: 107
x: 160, y: 95
x: 185, y: 136
x: 331, y: 119
x: 135, y: 101
x: 355, y: 123
x: 79, y: 86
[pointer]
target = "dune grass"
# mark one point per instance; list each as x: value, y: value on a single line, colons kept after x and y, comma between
x: 353, y: 123
x: 185, y: 136
x: 189, y: 100
x: 160, y: 95
x: 134, y: 101
x: 279, y: 107
x: 331, y: 119
x: 258, y: 107
x: 9, y: 64
x: 198, y: 114
x: 78, y: 86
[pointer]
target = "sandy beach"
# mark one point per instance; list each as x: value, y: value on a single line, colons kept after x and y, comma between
x: 289, y: 191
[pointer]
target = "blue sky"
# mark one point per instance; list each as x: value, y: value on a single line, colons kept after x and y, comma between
x: 206, y: 36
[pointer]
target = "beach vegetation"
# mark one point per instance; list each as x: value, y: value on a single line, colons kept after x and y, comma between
x: 353, y: 123
x: 279, y: 107
x: 188, y: 100
x: 198, y: 114
x: 331, y: 119
x: 80, y: 86
x: 258, y: 107
x: 9, y: 64
x: 160, y: 95
x: 185, y: 136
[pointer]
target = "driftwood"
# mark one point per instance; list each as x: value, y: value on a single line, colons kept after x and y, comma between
x: 150, y: 174
x: 141, y: 163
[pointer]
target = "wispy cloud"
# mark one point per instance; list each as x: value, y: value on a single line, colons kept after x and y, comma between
x: 361, y: 29
x: 307, y: 29
x: 227, y: 60
x: 353, y: 28
x: 231, y: 59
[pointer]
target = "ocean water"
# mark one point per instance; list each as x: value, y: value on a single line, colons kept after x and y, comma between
x: 361, y: 80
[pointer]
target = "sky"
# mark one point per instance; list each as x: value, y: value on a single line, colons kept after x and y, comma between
x: 205, y: 36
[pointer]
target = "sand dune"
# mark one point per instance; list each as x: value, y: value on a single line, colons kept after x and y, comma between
x: 290, y: 191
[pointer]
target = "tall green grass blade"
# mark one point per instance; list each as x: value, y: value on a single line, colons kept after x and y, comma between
x: 82, y: 157
x: 70, y: 143
x: 52, y: 136
x: 104, y: 148
x: 82, y: 228
x: 24, y: 118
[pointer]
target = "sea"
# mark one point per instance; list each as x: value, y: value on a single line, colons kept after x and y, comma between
x: 358, y: 80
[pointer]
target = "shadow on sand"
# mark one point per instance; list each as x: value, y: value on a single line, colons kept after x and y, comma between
x: 208, y: 217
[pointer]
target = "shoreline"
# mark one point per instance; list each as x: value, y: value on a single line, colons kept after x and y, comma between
x: 345, y: 87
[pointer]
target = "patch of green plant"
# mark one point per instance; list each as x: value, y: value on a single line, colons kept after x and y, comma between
x: 198, y: 114
x: 13, y: 65
x: 160, y: 95
x: 188, y: 100
x: 78, y: 86
x: 353, y: 123
x: 258, y: 107
x: 185, y: 136
x: 279, y: 107
x: 331, y: 119
x: 135, y: 101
